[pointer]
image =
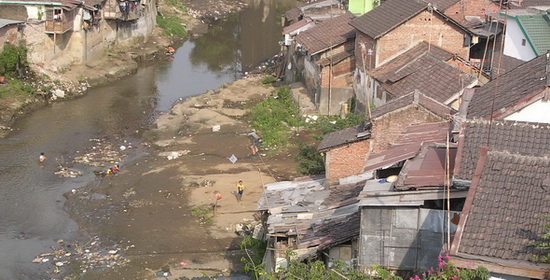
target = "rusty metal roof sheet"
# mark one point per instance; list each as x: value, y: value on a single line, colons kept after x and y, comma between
x: 427, y: 170
x: 408, y: 144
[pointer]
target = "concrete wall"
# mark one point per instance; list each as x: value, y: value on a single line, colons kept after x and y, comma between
x: 13, y: 12
x: 536, y: 112
x: 81, y: 45
x: 513, y: 42
x: 402, y: 238
x: 346, y: 160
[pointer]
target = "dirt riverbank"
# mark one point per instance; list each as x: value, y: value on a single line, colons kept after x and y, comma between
x: 146, y: 211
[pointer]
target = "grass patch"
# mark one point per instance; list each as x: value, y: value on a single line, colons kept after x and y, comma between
x: 275, y: 117
x: 203, y: 214
x: 16, y: 88
x: 172, y: 26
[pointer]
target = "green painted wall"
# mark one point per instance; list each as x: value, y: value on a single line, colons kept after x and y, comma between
x: 362, y: 6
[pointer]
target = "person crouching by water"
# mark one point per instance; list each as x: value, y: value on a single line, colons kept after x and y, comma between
x: 42, y: 158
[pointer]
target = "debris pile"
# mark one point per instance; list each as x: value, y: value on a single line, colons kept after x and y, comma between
x: 102, y: 153
x: 68, y: 172
x: 88, y: 257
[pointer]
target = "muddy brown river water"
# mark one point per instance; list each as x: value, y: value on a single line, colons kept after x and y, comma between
x: 32, y: 218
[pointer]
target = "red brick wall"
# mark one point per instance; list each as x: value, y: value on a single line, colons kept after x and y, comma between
x: 347, y: 160
x: 341, y: 73
x: 471, y: 8
x: 8, y: 34
x: 423, y: 27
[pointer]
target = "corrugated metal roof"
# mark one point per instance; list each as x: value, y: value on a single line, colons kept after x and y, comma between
x: 427, y: 170
x: 5, y: 22
x: 408, y: 144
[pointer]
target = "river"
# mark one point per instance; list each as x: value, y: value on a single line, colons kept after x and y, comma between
x: 32, y: 216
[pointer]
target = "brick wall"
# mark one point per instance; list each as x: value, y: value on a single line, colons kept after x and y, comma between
x: 9, y: 34
x: 389, y: 126
x: 341, y: 74
x: 347, y: 160
x: 422, y: 27
x: 471, y: 8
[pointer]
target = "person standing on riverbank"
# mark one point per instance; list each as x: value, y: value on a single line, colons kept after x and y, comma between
x: 240, y: 190
x: 42, y: 158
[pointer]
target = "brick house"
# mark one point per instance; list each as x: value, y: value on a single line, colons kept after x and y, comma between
x: 345, y: 152
x: 325, y: 60
x: 428, y: 69
x: 397, y: 25
x: 392, y: 118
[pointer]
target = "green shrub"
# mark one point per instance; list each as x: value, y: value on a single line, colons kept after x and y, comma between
x: 328, y: 124
x: 172, y: 26
x: 202, y: 212
x: 275, y: 117
x: 13, y: 61
x: 310, y: 161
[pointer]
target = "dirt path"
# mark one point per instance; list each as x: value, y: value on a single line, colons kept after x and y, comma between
x: 147, y: 209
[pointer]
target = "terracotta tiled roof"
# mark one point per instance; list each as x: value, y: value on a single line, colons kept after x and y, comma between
x: 504, y: 94
x: 504, y: 209
x: 427, y: 73
x: 328, y: 33
x: 393, y: 13
x: 414, y: 98
x: 407, y: 56
x: 294, y: 14
x: 344, y: 137
x: 517, y: 137
x: 336, y: 58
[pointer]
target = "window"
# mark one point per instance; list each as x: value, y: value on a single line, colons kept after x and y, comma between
x: 523, y: 42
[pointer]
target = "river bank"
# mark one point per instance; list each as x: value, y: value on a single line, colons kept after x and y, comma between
x: 148, y: 212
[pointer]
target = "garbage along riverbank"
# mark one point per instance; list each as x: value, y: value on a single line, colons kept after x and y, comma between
x: 153, y: 214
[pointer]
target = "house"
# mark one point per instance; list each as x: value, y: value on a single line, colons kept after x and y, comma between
x: 504, y: 213
x: 345, y: 151
x: 423, y: 68
x: 63, y: 32
x: 325, y: 61
x: 405, y: 218
x: 393, y: 118
x: 312, y: 220
x: 10, y: 32
x: 527, y: 32
x: 521, y: 94
x: 397, y: 25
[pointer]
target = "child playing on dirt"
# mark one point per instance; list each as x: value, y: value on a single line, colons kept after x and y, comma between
x: 240, y: 190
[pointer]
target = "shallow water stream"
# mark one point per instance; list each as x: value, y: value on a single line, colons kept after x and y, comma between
x: 32, y: 217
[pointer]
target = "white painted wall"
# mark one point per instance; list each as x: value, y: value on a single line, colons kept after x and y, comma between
x: 536, y: 112
x: 512, y: 42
